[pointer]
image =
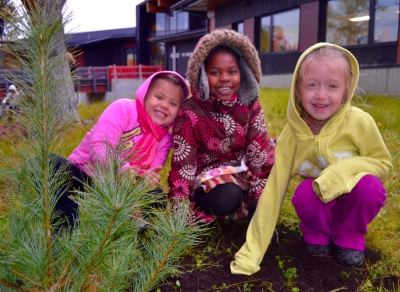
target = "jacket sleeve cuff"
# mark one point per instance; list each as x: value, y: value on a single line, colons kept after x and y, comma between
x: 235, y: 269
x: 328, y: 186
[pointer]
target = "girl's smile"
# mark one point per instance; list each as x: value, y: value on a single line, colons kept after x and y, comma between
x: 321, y: 92
x: 223, y: 75
x: 162, y: 102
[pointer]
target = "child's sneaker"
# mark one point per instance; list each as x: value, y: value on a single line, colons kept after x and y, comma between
x: 350, y: 257
x: 318, y: 250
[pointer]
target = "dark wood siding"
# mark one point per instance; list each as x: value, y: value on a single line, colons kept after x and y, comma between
x: 105, y: 53
x: 375, y: 56
x: 274, y: 64
x: 184, y: 49
x: 143, y: 22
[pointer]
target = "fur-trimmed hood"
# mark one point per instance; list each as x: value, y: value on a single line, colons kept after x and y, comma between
x: 249, y: 65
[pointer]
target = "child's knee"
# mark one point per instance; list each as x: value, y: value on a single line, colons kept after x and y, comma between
x: 370, y: 191
x: 304, y: 195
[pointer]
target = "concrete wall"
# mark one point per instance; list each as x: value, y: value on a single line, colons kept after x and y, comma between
x: 382, y: 81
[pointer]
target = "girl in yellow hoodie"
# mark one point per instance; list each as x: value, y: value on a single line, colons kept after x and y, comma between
x: 338, y: 152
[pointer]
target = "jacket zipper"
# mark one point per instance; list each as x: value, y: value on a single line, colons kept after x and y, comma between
x: 316, y: 139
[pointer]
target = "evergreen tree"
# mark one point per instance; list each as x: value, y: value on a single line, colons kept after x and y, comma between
x: 106, y: 249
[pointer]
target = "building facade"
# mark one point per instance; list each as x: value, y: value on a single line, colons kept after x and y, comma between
x: 167, y: 32
x: 104, y: 48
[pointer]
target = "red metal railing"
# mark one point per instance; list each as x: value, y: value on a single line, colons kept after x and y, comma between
x: 94, y: 79
x: 136, y: 72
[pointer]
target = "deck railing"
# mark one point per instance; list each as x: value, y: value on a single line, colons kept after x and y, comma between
x: 90, y: 79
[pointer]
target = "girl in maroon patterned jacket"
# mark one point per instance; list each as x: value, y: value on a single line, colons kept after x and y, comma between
x: 222, y: 152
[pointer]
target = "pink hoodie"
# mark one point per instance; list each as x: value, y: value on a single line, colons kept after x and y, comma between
x: 119, y: 126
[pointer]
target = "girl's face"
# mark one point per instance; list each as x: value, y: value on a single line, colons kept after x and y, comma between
x: 321, y: 91
x: 223, y: 75
x: 162, y: 102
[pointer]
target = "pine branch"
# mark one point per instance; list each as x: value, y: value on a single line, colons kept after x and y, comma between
x: 45, y: 152
x: 8, y: 285
x: 24, y: 277
x: 107, y: 235
x: 161, y: 266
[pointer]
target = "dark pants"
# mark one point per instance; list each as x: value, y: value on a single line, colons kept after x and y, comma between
x: 67, y: 207
x: 224, y: 199
x: 343, y: 220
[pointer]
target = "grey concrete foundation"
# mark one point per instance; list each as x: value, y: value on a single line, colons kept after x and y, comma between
x: 381, y: 81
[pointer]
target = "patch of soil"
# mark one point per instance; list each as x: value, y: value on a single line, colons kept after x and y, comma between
x: 208, y: 268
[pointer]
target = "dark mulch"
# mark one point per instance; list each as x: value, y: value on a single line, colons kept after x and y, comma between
x: 313, y: 273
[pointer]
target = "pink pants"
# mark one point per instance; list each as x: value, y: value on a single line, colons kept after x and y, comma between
x: 343, y: 220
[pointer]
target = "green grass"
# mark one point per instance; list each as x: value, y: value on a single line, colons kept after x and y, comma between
x: 384, y: 231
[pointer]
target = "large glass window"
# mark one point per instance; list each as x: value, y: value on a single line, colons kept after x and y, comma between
x: 183, y: 21
x: 160, y: 22
x: 179, y: 22
x: 347, y: 22
x: 172, y: 23
x: 386, y: 27
x: 265, y: 34
x: 285, y: 32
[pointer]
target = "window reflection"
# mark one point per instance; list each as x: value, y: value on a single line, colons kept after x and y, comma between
x: 347, y: 22
x: 265, y: 34
x: 160, y: 22
x: 183, y: 21
x: 157, y: 53
x: 386, y: 26
x: 179, y: 22
x: 285, y: 32
x: 240, y: 27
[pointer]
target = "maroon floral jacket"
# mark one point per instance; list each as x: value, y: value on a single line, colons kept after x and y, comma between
x: 214, y: 133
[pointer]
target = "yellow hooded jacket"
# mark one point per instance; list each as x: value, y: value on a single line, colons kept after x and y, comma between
x: 348, y: 147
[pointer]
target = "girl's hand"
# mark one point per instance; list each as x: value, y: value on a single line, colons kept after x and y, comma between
x: 152, y: 176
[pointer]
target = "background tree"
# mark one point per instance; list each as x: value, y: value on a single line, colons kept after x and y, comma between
x: 69, y: 108
x: 8, y: 9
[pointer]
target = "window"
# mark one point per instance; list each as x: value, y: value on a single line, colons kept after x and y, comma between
x: 386, y: 27
x: 160, y: 25
x: 183, y: 21
x: 349, y: 21
x: 179, y: 22
x: 172, y: 23
x: 157, y: 54
x: 265, y: 34
x: 239, y: 27
x: 130, y: 59
x: 284, y: 33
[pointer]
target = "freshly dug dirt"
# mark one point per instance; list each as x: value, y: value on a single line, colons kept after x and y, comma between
x: 208, y: 268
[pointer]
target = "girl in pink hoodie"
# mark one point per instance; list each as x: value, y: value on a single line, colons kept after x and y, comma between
x: 138, y: 128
